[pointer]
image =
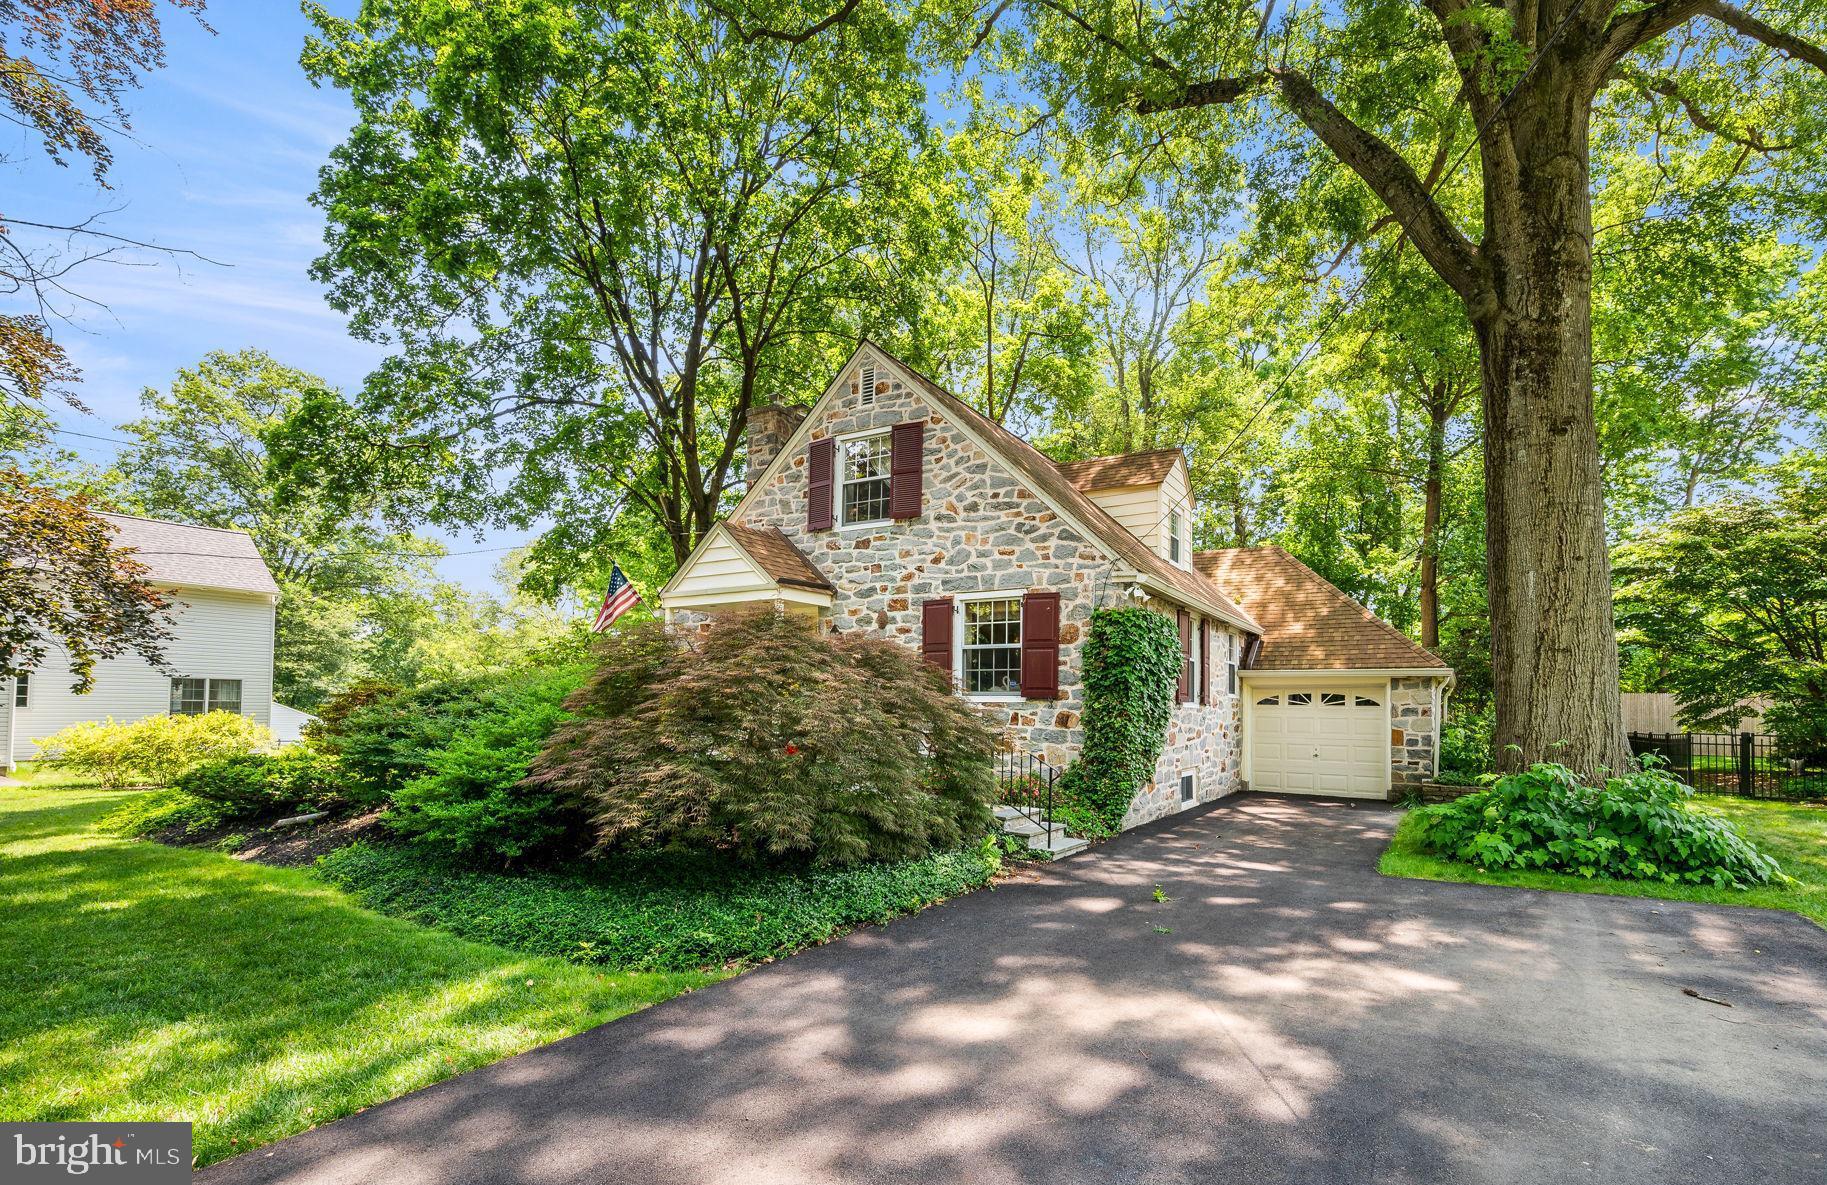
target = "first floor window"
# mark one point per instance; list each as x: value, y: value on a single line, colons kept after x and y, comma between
x: 22, y: 696
x: 992, y: 647
x: 193, y: 697
x: 866, y: 479
x: 1232, y: 646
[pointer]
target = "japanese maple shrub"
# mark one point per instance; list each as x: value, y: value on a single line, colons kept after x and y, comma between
x: 1642, y: 825
x: 765, y: 738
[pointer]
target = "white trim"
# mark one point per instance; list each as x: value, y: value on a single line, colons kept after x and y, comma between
x: 773, y: 590
x: 959, y: 600
x: 839, y: 444
x: 1180, y: 794
x: 1362, y: 675
x: 1247, y: 735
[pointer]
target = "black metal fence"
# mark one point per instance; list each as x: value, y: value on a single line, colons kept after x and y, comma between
x: 1746, y: 763
x: 1025, y: 782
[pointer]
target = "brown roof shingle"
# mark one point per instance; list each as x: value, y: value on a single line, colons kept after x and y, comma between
x: 1308, y: 623
x: 774, y: 552
x: 1123, y: 469
x: 1038, y: 469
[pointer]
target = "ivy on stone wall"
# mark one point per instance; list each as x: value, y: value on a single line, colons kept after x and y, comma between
x: 1131, y: 666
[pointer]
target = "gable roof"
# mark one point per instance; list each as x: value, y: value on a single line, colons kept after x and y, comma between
x: 1308, y: 623
x: 1123, y: 469
x: 1056, y: 489
x: 195, y: 557
x: 775, y: 554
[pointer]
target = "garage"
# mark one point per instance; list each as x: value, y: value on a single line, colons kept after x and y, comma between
x: 1320, y: 739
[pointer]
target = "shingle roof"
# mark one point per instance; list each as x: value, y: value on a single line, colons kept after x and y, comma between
x: 774, y: 552
x: 1123, y: 469
x: 1308, y: 623
x: 197, y: 557
x: 1039, y: 470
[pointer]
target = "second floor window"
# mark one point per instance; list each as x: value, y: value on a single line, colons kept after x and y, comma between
x: 22, y: 693
x: 1173, y: 536
x: 865, y: 480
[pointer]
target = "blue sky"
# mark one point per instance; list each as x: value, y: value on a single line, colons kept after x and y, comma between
x: 223, y: 156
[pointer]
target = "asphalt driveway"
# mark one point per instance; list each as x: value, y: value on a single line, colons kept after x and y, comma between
x: 1287, y: 1015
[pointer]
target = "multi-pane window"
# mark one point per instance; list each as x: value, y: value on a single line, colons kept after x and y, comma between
x: 865, y: 471
x: 1190, y: 659
x: 991, y: 647
x: 1173, y: 535
x: 1231, y: 647
x: 193, y: 697
x: 22, y: 695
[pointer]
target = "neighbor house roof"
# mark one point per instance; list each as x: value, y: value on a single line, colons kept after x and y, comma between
x: 195, y: 557
x: 1307, y: 622
x: 1035, y: 467
x: 770, y: 548
x: 1124, y: 469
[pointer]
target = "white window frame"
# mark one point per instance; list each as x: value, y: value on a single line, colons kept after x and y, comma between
x: 843, y: 444
x: 1180, y: 788
x: 959, y: 600
x: 1233, y: 647
x: 209, y: 693
x: 1174, y: 550
x: 22, y: 690
x: 1193, y: 672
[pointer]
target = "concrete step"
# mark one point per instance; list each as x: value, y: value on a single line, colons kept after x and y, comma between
x: 1063, y: 845
x: 1035, y: 836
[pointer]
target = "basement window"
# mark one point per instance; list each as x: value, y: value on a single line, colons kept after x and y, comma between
x: 1188, y: 785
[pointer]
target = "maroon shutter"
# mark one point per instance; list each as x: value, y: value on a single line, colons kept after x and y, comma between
x: 821, y: 463
x: 1040, y: 645
x: 1184, y: 691
x: 906, y: 459
x: 936, y: 634
x: 1205, y: 661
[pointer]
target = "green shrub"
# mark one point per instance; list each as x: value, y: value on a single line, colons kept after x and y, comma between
x: 1465, y: 742
x: 766, y: 738
x: 1131, y: 668
x: 152, y: 751
x: 472, y: 800
x: 161, y: 810
x: 339, y: 707
x: 652, y: 911
x: 1639, y: 826
x: 294, y: 779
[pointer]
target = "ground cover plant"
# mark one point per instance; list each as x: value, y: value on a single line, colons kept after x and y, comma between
x: 172, y: 998
x: 766, y: 739
x: 658, y: 911
x: 1642, y: 825
x: 1794, y: 834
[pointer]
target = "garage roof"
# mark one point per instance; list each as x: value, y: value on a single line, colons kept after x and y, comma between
x: 1307, y: 622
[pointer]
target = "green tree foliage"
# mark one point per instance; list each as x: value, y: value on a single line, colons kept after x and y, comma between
x: 651, y: 217
x: 1731, y: 597
x: 768, y: 739
x: 67, y: 585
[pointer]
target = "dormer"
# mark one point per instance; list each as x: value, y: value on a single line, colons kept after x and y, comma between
x: 1148, y: 493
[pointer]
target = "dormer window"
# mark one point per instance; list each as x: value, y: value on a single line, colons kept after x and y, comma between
x: 1173, y: 536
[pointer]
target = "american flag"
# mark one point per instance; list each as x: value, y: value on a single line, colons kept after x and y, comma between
x: 620, y: 598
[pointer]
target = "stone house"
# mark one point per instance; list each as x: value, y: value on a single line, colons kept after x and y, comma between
x: 889, y: 505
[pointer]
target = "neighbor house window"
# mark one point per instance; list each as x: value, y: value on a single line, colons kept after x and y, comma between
x: 22, y: 696
x: 193, y: 697
x: 990, y: 646
x: 865, y: 472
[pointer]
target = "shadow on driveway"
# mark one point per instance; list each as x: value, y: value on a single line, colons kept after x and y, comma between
x: 1287, y: 1015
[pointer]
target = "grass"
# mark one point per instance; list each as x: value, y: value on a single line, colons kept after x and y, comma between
x: 656, y: 912
x: 1796, y: 835
x: 139, y: 981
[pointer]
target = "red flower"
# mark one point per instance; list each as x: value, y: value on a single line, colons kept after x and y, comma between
x: 792, y: 749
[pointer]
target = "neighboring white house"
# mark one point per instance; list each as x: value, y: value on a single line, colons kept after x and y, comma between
x: 220, y: 656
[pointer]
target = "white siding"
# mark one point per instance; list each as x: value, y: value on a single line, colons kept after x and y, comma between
x: 719, y: 568
x: 1138, y: 508
x: 221, y: 635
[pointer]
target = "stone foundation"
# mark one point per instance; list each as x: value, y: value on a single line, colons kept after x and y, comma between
x: 1201, y: 739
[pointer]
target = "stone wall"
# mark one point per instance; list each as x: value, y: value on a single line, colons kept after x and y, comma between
x: 1201, y: 738
x: 978, y: 531
x: 1414, y: 733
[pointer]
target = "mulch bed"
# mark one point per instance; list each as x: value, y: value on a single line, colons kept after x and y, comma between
x: 282, y: 847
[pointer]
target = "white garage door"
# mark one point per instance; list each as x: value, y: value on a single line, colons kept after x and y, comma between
x: 1320, y: 740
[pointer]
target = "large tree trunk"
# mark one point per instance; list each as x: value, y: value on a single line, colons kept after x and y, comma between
x: 1431, y: 489
x: 1554, y: 657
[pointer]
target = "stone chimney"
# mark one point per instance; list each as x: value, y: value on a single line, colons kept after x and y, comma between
x: 768, y: 428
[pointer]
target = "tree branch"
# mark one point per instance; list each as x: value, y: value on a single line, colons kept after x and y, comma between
x: 786, y: 36
x: 1666, y: 87
x: 1787, y: 44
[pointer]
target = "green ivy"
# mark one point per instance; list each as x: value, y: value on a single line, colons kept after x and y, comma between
x: 1131, y: 667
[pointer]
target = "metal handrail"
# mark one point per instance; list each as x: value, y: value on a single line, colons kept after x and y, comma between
x: 1025, y: 782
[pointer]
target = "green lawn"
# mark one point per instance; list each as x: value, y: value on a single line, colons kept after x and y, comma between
x: 139, y: 981
x: 1795, y: 835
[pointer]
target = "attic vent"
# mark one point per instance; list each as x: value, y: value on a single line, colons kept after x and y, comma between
x: 868, y: 393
